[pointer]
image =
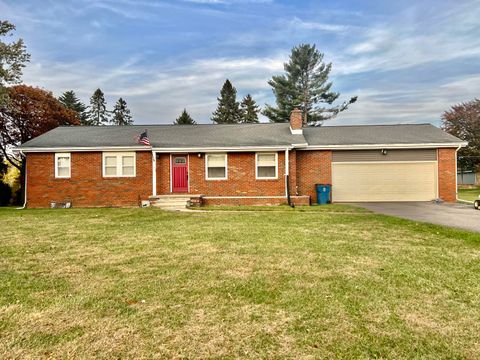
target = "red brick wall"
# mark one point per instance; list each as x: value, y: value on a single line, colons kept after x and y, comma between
x: 86, y: 187
x: 292, y: 172
x: 245, y: 201
x: 163, y: 174
x: 241, y: 177
x: 447, y: 186
x: 313, y: 167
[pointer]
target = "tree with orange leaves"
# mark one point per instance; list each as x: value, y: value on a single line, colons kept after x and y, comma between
x: 30, y: 112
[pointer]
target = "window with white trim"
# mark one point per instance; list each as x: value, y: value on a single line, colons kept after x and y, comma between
x: 216, y: 166
x: 119, y: 164
x: 266, y: 166
x: 62, y: 165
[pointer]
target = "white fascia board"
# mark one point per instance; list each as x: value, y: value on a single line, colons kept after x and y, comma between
x: 241, y: 148
x: 82, y: 149
x: 222, y: 149
x: 385, y: 146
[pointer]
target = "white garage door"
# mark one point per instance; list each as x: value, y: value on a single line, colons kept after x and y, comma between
x: 376, y: 181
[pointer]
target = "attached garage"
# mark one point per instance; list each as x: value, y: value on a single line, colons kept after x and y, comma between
x: 384, y: 175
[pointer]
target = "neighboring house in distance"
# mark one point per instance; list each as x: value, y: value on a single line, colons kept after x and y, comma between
x: 240, y: 164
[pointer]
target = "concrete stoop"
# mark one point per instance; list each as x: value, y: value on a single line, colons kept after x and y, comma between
x: 172, y: 202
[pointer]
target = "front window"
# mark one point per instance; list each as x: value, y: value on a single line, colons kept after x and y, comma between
x: 119, y: 164
x: 267, y: 165
x: 62, y: 165
x: 216, y: 166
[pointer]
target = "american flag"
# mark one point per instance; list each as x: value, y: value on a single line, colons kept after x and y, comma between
x: 143, y: 138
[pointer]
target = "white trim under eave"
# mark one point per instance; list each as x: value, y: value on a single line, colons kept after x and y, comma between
x: 85, y: 149
x: 220, y: 149
x: 385, y: 146
x: 244, y: 148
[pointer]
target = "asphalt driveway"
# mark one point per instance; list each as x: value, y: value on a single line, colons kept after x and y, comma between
x: 455, y: 215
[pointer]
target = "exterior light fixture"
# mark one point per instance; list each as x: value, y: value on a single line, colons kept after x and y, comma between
x: 384, y: 152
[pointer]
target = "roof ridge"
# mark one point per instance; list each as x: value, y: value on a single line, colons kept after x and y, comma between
x: 165, y: 125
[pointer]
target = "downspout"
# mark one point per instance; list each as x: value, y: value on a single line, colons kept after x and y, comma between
x: 25, y: 197
x: 154, y: 173
x: 456, y: 171
x: 287, y: 182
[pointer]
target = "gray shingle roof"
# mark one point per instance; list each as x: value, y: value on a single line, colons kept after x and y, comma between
x: 378, y: 134
x: 169, y: 136
x: 255, y: 135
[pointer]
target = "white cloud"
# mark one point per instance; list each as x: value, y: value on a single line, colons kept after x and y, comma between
x: 417, y: 104
x: 158, y: 93
x: 157, y: 89
x: 297, y: 23
x: 405, y: 43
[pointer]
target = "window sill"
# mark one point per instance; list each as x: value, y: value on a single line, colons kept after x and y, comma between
x: 119, y: 177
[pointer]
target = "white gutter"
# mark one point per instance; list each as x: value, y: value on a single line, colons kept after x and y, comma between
x: 387, y: 146
x: 219, y: 149
x: 304, y: 146
x: 82, y: 148
x: 159, y: 150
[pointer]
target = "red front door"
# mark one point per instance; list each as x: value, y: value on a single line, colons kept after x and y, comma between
x: 179, y: 173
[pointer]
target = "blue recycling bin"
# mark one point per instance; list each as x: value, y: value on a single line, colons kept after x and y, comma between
x: 323, y: 193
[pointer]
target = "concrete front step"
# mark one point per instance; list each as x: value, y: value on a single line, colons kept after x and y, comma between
x: 171, y: 202
x: 168, y: 201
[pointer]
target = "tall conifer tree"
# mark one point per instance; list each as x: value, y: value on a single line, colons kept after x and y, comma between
x: 250, y: 110
x: 70, y: 100
x: 121, y: 113
x: 184, y: 119
x: 228, y: 109
x: 305, y: 85
x: 98, y: 114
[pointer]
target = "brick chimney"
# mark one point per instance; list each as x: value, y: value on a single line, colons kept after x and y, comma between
x: 296, y: 121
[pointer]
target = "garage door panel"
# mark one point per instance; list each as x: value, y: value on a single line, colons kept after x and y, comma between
x: 384, y: 181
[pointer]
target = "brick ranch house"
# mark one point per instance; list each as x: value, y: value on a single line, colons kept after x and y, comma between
x: 249, y: 164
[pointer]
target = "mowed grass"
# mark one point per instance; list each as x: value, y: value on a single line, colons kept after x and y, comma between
x: 469, y: 194
x: 143, y: 283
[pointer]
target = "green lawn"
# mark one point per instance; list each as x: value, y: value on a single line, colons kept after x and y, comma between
x: 469, y: 194
x: 142, y: 283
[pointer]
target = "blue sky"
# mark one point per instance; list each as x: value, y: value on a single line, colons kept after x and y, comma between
x: 407, y: 61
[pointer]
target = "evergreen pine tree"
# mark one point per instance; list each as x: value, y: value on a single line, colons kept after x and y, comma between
x: 98, y: 114
x: 70, y: 100
x: 305, y: 85
x: 184, y: 119
x: 228, y: 110
x: 250, y: 110
x: 121, y: 113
